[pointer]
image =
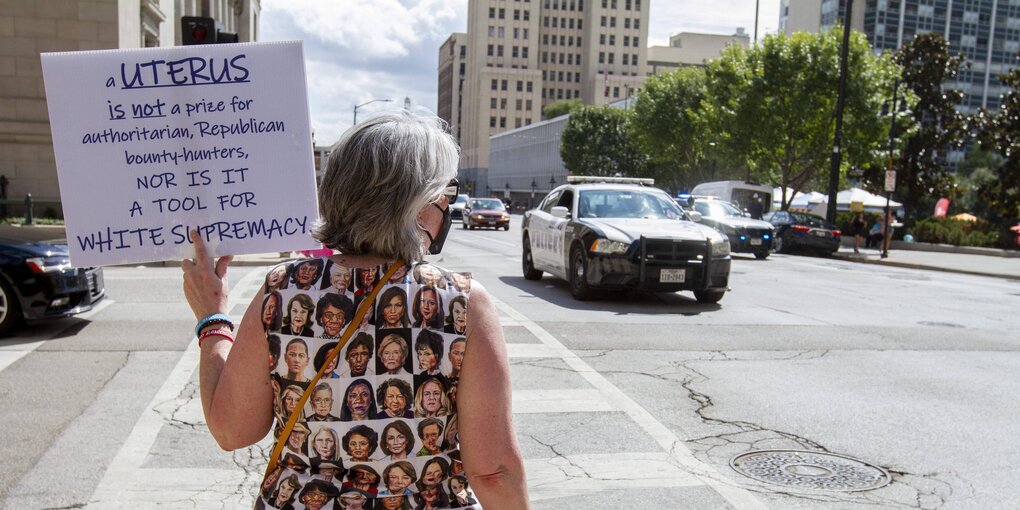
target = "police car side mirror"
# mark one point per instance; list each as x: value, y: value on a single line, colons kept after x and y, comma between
x: 560, y: 212
x: 695, y: 216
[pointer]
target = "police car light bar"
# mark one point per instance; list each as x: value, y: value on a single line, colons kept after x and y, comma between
x: 580, y: 179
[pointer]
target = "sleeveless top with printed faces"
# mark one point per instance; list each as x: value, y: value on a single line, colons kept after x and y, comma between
x: 379, y: 430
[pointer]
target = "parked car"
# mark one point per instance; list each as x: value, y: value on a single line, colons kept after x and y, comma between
x: 486, y: 212
x: 805, y: 231
x: 617, y: 233
x: 37, y: 281
x: 746, y: 234
x: 457, y: 207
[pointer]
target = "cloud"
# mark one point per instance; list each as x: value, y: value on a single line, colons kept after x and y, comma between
x: 371, y: 28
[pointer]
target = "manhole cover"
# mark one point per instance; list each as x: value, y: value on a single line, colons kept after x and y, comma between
x: 810, y: 470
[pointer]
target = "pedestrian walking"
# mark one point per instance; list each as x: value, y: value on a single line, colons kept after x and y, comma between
x: 385, y: 202
x: 859, y: 225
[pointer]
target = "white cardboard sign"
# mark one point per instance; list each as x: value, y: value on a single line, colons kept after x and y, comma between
x: 150, y: 143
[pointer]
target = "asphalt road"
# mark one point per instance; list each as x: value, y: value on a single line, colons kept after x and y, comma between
x: 635, y: 400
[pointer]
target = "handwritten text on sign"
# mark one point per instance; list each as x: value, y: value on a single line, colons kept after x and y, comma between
x: 153, y: 142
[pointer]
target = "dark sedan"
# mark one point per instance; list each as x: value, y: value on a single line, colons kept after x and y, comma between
x: 803, y: 231
x: 37, y: 280
x: 747, y: 235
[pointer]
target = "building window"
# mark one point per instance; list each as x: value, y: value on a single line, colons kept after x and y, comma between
x: 612, y: 4
x: 528, y: 104
x: 626, y: 22
x: 578, y: 40
x: 494, y: 84
x: 570, y: 77
x: 626, y: 59
x: 580, y: 7
x: 463, y: 51
x: 612, y: 22
x: 636, y: 44
x: 577, y: 94
x: 560, y: 76
x: 545, y: 57
x: 570, y: 59
x: 492, y: 103
x: 492, y: 122
x: 563, y: 40
x: 525, y: 33
x: 518, y: 104
x: 502, y: 85
x: 543, y: 93
x: 524, y: 52
x: 637, y: 23
x: 580, y: 22
x: 545, y: 21
x: 602, y: 57
x: 517, y: 14
x: 492, y: 31
x: 559, y: 93
x: 502, y: 13
x: 611, y: 58
x: 577, y: 76
x: 602, y: 38
x: 520, y: 86
x: 502, y: 103
x: 527, y: 17
x: 500, y: 31
x: 517, y: 122
x: 513, y: 52
x: 626, y: 40
x: 561, y: 58
x: 490, y: 49
x: 633, y: 59
x: 626, y: 4
x: 499, y: 51
x: 492, y: 12
x: 462, y: 68
x: 571, y: 22
x: 502, y: 122
x: 545, y: 38
x: 517, y: 33
x: 616, y: 91
x: 637, y: 5
x: 612, y: 40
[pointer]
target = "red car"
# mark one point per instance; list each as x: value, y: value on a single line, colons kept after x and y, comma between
x: 486, y: 212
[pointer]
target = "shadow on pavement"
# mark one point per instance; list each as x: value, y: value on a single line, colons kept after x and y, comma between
x: 622, y: 302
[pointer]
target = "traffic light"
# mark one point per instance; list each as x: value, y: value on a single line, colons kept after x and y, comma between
x: 202, y: 30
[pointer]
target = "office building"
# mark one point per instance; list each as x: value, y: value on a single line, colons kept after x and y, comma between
x: 986, y: 32
x: 31, y: 27
x: 691, y: 49
x: 522, y: 55
x: 452, y: 66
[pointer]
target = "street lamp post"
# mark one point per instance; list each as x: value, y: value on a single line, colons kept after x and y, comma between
x: 363, y: 104
x: 534, y: 186
x: 552, y: 182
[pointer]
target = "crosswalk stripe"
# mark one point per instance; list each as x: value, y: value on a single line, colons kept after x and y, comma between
x: 559, y: 401
x: 737, y: 496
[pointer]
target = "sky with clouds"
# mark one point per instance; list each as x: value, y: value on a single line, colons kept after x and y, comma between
x: 360, y: 50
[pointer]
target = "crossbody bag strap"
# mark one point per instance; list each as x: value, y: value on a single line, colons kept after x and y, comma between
x: 352, y: 326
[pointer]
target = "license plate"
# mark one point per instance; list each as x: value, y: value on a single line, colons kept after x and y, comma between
x: 672, y: 275
x: 820, y: 233
x: 755, y: 242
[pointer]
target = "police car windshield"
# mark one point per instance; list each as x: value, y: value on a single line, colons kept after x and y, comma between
x: 612, y: 203
x: 717, y: 209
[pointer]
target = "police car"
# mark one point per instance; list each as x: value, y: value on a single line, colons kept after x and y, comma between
x: 620, y: 233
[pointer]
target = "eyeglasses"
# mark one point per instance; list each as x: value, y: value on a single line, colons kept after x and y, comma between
x: 452, y: 190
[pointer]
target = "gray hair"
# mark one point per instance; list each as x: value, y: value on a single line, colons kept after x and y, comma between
x: 379, y: 176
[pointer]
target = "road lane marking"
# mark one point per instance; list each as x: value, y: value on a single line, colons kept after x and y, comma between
x: 583, y: 474
x: 740, y: 498
x: 11, y: 353
x: 125, y: 480
x: 559, y: 401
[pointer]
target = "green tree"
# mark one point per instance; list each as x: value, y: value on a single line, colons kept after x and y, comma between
x: 921, y: 170
x: 666, y: 127
x: 561, y: 107
x: 772, y: 107
x: 1001, y: 132
x: 595, y: 142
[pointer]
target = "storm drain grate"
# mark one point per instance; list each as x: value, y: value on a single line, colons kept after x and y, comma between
x: 810, y: 470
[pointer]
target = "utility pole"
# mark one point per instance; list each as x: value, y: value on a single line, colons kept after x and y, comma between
x: 837, y: 155
x: 756, y: 5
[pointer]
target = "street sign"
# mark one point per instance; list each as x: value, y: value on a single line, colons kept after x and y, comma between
x: 890, y: 180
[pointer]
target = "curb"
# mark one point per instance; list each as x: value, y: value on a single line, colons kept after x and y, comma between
x: 910, y: 265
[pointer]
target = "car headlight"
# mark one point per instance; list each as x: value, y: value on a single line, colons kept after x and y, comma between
x: 46, y: 264
x: 610, y: 247
x: 720, y: 247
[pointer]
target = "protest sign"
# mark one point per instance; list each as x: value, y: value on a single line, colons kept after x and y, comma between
x: 150, y: 143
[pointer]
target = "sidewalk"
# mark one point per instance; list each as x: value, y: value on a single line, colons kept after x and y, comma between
x: 965, y: 263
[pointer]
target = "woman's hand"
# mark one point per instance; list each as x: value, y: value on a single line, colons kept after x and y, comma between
x: 205, y: 282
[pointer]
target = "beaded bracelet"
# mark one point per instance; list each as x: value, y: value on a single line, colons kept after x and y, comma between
x: 216, y: 318
x: 216, y: 332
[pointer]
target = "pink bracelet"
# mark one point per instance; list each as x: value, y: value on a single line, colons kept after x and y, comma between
x: 225, y: 333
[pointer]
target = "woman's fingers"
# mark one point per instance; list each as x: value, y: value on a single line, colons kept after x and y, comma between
x: 221, y: 265
x: 201, y: 255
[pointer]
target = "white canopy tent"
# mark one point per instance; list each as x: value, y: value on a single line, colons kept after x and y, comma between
x: 816, y: 203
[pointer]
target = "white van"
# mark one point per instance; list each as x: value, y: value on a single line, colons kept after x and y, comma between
x: 739, y: 193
